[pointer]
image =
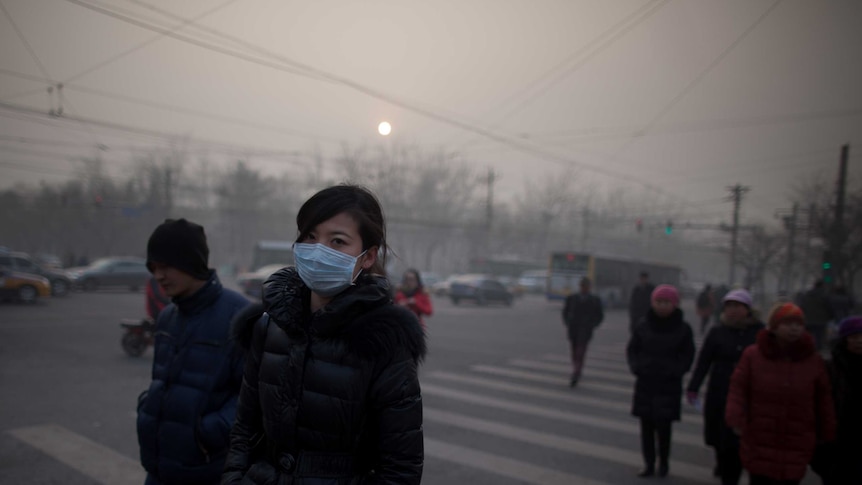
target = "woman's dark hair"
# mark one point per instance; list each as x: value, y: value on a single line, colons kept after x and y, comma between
x: 416, y: 274
x: 356, y: 201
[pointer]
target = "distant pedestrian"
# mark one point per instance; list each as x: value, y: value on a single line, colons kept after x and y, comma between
x: 660, y: 352
x: 705, y: 306
x: 817, y: 307
x: 721, y: 350
x: 185, y: 416
x: 839, y: 463
x: 155, y: 298
x: 780, y: 402
x: 639, y: 302
x: 582, y: 313
x: 413, y: 296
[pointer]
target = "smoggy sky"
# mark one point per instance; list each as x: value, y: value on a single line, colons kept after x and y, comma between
x: 690, y: 96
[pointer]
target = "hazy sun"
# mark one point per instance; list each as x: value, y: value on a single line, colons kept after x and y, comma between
x: 384, y: 128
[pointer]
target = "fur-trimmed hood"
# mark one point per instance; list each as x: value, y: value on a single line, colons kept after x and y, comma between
x: 362, y: 316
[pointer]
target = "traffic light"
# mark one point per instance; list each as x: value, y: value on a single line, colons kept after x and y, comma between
x: 639, y: 225
x: 668, y: 228
x: 827, y: 266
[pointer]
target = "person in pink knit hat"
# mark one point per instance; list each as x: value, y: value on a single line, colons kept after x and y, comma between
x: 659, y: 353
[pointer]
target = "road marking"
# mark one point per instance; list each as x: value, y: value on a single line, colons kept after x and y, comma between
x: 567, y: 369
x: 558, y: 381
x: 98, y: 462
x: 507, y: 467
x: 591, y: 361
x: 530, y: 391
x: 570, y: 445
x: 618, y: 425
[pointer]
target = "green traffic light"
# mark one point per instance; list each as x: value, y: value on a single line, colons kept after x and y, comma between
x: 827, y: 265
x: 668, y: 230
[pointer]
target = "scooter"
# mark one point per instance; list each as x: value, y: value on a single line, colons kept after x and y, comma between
x: 138, y: 335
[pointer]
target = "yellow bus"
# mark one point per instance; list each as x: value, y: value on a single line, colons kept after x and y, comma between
x: 612, y: 277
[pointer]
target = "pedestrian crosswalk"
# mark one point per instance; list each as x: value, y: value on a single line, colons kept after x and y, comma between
x: 525, y: 401
x: 515, y: 419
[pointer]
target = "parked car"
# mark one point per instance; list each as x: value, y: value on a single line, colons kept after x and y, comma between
x: 61, y: 281
x: 441, y: 288
x: 251, y: 283
x: 480, y: 289
x: 131, y: 273
x: 24, y: 287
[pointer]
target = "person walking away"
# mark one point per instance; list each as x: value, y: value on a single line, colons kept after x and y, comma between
x: 817, y: 307
x: 582, y: 313
x: 639, y: 303
x: 659, y: 353
x: 156, y: 299
x: 705, y: 307
x: 719, y: 354
x: 838, y: 463
x: 412, y: 295
x: 331, y: 390
x: 184, y: 417
x: 780, y: 402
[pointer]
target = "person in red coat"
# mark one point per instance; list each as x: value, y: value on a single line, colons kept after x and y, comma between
x: 780, y: 400
x: 412, y: 295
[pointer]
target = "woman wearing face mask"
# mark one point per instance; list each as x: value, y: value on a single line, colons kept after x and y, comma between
x: 660, y: 352
x: 330, y: 393
x: 779, y: 402
x: 412, y: 295
x: 718, y: 356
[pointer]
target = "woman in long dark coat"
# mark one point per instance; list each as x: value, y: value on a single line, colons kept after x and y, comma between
x: 718, y: 356
x: 659, y: 353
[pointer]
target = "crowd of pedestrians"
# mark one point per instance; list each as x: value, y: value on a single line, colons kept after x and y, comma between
x: 245, y: 393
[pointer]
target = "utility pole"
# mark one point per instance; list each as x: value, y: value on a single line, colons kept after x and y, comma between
x: 838, y: 234
x: 809, y: 257
x: 736, y: 193
x: 489, y: 210
x: 790, y: 223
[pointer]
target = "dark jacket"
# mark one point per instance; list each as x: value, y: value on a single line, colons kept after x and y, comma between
x: 817, y: 306
x: 659, y: 353
x: 184, y: 418
x: 718, y: 356
x: 846, y: 377
x: 330, y: 398
x: 581, y: 314
x: 780, y: 400
x: 639, y: 303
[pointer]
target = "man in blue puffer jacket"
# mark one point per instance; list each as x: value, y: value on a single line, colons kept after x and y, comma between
x: 184, y: 418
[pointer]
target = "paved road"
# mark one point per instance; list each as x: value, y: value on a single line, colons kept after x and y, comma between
x: 497, y: 406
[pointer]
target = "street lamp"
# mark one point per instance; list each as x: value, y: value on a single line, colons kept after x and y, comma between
x: 384, y: 128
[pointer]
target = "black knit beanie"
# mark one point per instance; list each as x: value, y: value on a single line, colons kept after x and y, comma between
x: 182, y: 245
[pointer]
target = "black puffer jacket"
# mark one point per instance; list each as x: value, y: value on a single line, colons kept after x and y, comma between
x: 718, y: 357
x: 659, y: 353
x: 331, y: 397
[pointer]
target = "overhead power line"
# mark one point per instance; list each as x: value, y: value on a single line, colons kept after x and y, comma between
x: 286, y: 64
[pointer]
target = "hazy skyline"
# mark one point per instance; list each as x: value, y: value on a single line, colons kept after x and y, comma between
x: 689, y: 96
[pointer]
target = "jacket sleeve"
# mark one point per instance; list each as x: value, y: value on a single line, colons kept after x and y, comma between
x: 825, y: 406
x: 600, y: 312
x: 422, y: 304
x: 247, y: 429
x: 396, y: 413
x: 215, y: 427
x: 704, y: 362
x: 738, y: 397
x: 633, y: 350
x: 686, y: 354
x: 567, y: 307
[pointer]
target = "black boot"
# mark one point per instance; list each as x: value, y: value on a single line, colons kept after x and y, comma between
x: 647, y: 472
x: 662, y: 469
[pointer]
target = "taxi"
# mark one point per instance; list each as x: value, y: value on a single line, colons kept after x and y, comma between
x: 24, y: 287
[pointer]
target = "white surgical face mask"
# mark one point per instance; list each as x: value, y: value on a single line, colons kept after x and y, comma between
x: 324, y: 270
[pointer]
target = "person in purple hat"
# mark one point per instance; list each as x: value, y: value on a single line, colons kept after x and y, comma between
x: 721, y: 350
x: 839, y: 462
